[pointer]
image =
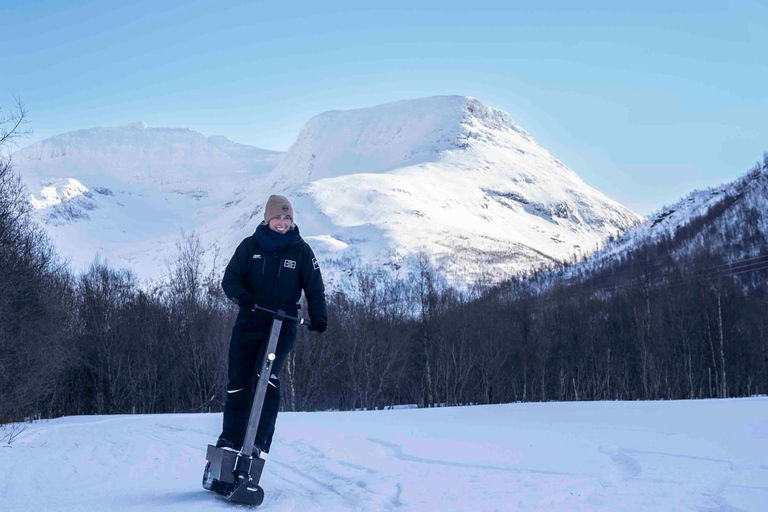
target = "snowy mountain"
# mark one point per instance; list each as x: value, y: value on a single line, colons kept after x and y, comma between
x: 729, y: 223
x: 444, y: 175
x: 125, y: 193
x: 696, y: 455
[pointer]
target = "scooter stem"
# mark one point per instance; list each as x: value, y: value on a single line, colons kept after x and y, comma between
x: 261, y: 386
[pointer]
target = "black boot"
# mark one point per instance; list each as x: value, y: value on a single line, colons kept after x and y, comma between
x: 223, y: 442
x: 258, y: 448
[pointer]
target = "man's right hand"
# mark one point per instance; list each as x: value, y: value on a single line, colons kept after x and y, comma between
x: 245, y: 301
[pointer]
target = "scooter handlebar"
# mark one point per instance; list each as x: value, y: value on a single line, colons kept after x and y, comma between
x: 302, y: 321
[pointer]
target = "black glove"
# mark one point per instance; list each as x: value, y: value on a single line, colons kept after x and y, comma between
x: 245, y: 301
x: 319, y: 325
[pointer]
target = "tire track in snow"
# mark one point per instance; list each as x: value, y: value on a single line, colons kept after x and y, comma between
x: 397, y: 452
x: 354, y: 494
x: 698, y: 458
x: 630, y: 468
x: 319, y: 481
x: 323, y: 485
x: 357, y: 467
x: 720, y: 505
x: 681, y: 456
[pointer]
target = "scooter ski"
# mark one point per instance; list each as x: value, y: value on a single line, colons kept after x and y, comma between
x: 236, y: 475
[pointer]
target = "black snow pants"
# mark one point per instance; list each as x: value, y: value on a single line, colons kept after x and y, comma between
x: 250, y: 336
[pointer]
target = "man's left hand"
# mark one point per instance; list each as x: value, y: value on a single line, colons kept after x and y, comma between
x: 318, y: 325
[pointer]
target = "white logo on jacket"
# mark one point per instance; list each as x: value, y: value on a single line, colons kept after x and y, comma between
x: 315, y: 264
x: 257, y: 256
x: 289, y: 264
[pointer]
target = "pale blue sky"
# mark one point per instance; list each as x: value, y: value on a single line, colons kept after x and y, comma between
x: 645, y: 102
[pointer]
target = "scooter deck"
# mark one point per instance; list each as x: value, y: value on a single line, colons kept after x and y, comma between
x: 221, y: 476
x: 224, y: 463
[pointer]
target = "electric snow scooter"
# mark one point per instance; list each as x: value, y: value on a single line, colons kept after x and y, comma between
x: 235, y: 475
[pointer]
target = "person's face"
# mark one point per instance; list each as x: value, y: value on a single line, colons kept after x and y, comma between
x: 281, y: 223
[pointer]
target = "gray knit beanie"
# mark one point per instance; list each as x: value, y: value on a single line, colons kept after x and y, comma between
x: 277, y: 205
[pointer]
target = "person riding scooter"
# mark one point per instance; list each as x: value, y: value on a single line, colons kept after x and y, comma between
x: 270, y: 269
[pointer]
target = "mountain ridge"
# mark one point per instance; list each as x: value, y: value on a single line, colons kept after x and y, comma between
x: 445, y: 175
x: 721, y: 228
x: 478, y: 162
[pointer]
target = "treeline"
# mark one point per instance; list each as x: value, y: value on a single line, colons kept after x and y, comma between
x: 649, y: 327
x: 99, y: 342
x: 696, y: 334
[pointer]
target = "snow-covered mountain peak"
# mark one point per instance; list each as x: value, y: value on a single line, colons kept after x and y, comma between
x: 445, y: 175
x: 372, y: 140
x: 401, y: 134
x: 138, y: 136
x: 221, y: 140
x: 478, y: 115
x: 171, y: 158
x: 104, y: 139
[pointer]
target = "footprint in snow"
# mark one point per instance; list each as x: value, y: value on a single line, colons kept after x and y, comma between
x: 357, y: 467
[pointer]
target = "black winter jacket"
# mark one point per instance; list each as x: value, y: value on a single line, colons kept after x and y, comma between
x: 275, y: 279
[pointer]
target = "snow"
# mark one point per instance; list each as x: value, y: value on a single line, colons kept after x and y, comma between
x: 326, y: 243
x: 54, y: 194
x: 445, y: 175
x: 723, y: 235
x: 708, y: 455
x: 448, y: 176
x: 126, y: 193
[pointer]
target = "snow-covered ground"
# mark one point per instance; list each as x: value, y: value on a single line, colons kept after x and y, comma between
x: 707, y: 455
